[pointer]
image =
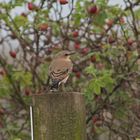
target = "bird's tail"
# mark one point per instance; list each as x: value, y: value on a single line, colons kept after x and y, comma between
x: 54, y: 85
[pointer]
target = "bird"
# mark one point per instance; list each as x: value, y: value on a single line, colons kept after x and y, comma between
x: 60, y: 68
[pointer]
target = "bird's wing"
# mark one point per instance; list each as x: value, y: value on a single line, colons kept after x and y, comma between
x: 59, y: 69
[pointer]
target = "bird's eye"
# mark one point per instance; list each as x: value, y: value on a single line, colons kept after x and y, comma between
x: 66, y: 54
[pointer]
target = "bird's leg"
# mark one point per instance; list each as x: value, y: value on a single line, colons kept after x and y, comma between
x: 62, y: 87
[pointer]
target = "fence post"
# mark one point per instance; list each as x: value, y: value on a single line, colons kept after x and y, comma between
x: 59, y: 116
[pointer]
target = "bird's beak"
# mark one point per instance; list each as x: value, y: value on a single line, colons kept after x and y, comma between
x: 71, y: 52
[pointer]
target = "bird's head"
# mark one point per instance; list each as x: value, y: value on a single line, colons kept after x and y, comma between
x: 64, y: 54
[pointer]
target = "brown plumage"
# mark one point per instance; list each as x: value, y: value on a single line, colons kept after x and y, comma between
x: 60, y: 68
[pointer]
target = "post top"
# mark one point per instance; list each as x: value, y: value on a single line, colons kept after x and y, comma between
x: 57, y: 97
x: 58, y: 93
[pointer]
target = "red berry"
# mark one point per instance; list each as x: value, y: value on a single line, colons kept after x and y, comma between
x: 109, y: 22
x: 98, y: 98
x: 100, y: 66
x: 43, y: 27
x: 74, y: 70
x: 63, y: 2
x: 2, y: 72
x: 111, y: 40
x: 78, y: 74
x: 122, y: 21
x: 2, y: 111
x: 93, y: 58
x: 130, y: 41
x: 23, y: 14
x: 75, y: 34
x: 85, y: 51
x: 49, y: 51
x: 93, y: 10
x: 13, y: 36
x: 31, y: 6
x: 94, y: 119
x: 27, y: 91
x: 13, y: 54
x: 77, y: 45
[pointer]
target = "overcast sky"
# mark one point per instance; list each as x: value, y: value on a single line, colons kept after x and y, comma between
x: 111, y: 1
x: 19, y: 10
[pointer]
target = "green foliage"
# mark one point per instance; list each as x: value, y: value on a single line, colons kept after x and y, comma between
x: 25, y: 78
x: 137, y: 13
x: 109, y: 82
x: 20, y: 21
x: 101, y: 79
x: 17, y: 2
x: 121, y: 113
x: 100, y: 19
x: 44, y: 72
x: 5, y: 87
x: 41, y: 17
x: 77, y: 17
x: 56, y: 29
x: 102, y: 3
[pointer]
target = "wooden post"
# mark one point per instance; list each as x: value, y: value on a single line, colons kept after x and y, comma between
x: 59, y: 116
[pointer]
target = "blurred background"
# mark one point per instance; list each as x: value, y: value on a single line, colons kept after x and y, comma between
x: 105, y: 36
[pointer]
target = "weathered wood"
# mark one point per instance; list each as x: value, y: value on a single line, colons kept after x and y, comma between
x: 59, y: 116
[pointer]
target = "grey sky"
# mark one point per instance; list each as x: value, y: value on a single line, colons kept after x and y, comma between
x: 19, y: 10
x: 65, y: 8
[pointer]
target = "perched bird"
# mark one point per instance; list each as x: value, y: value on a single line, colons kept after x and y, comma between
x: 60, y: 68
